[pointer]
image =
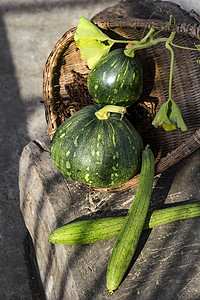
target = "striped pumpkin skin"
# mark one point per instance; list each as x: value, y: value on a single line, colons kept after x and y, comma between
x: 99, y: 153
x: 116, y: 79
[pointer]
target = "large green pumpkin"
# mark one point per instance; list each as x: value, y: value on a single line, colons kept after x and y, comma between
x: 99, y: 153
x: 116, y: 79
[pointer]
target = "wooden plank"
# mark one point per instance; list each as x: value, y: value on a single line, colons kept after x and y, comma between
x: 166, y: 264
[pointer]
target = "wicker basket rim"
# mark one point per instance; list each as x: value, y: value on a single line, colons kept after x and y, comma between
x: 191, y: 29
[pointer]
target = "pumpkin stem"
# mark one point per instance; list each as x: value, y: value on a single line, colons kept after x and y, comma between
x: 104, y: 113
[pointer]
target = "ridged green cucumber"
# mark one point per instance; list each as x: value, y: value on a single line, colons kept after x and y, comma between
x: 127, y: 240
x: 94, y: 230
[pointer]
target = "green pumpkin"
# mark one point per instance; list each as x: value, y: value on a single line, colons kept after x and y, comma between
x: 99, y: 153
x: 116, y: 79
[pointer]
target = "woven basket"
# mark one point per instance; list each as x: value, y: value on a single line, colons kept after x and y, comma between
x: 65, y: 87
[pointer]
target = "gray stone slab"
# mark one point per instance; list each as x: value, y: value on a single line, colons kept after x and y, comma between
x: 167, y: 261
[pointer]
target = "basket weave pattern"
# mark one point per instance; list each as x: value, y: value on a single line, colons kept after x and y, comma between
x: 65, y: 87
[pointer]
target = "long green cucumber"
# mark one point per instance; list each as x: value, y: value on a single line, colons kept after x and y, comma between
x: 127, y: 240
x: 94, y: 230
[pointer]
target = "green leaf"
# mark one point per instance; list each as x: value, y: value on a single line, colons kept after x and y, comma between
x: 169, y: 117
x: 87, y: 29
x: 92, y: 51
x: 91, y: 41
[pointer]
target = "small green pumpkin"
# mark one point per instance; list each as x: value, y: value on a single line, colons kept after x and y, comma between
x: 97, y: 152
x: 116, y: 79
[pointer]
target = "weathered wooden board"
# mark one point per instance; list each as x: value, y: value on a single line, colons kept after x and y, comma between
x: 167, y: 262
